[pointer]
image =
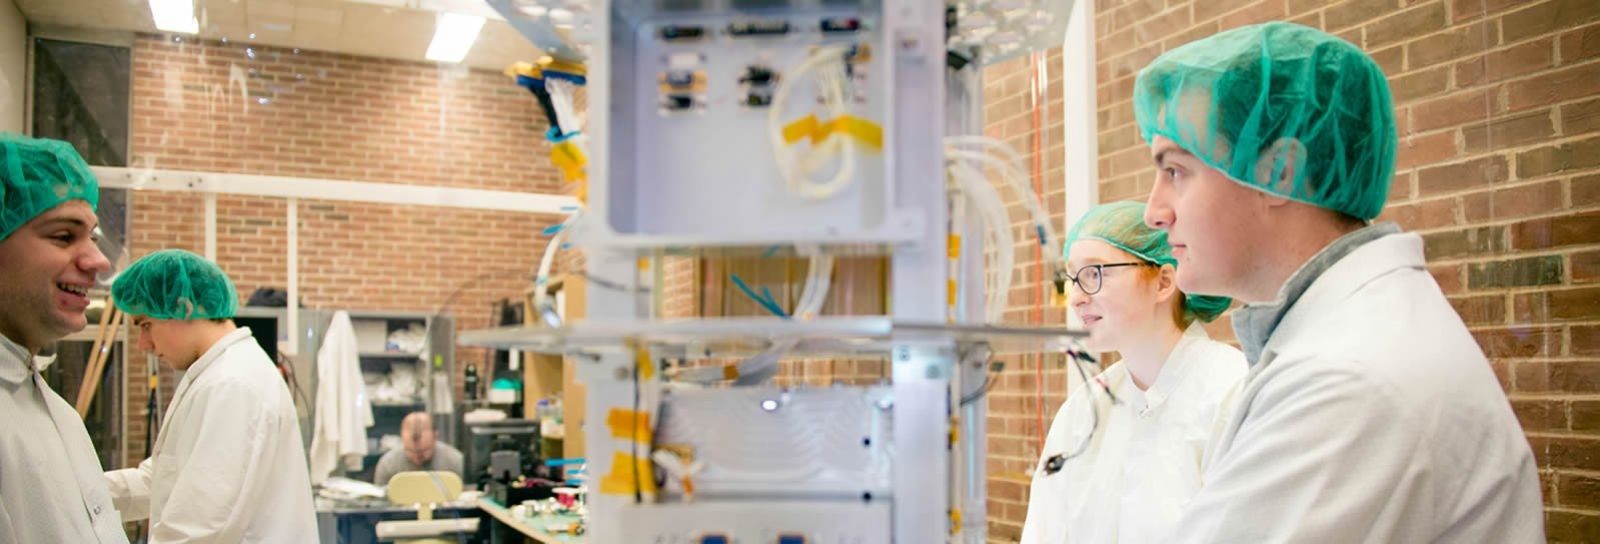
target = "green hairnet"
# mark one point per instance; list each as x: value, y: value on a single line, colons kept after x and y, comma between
x: 175, y: 284
x: 1121, y: 224
x: 36, y: 175
x: 1230, y: 97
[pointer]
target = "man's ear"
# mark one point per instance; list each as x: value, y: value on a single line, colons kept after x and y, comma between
x: 1277, y: 167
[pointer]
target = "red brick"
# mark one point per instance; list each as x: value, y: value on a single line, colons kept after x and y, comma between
x: 1161, y: 26
x: 1404, y: 25
x: 1475, y: 241
x: 1511, y: 131
x: 1453, y: 110
x: 1422, y: 150
x: 1519, y: 342
x: 1585, y: 267
x: 1417, y: 85
x: 1468, y: 9
x: 1453, y: 44
x: 1448, y: 277
x: 1559, y: 376
x: 1194, y: 33
x: 1563, y: 84
x: 1462, y: 176
x: 1557, y: 306
x: 1505, y: 64
x: 1553, y: 232
x: 1540, y: 415
x: 1580, y: 117
x: 1580, y: 45
x: 1566, y: 452
x: 1428, y: 214
x: 1586, y: 415
x: 1514, y: 202
x: 1350, y: 13
x: 1578, y: 491
x: 1259, y: 12
x: 1485, y: 310
x: 1132, y: 12
x: 1545, y: 17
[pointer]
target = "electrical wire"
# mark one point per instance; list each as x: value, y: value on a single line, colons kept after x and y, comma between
x: 829, y: 62
x: 999, y: 252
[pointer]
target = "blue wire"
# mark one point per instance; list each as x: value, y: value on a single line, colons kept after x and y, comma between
x: 765, y: 303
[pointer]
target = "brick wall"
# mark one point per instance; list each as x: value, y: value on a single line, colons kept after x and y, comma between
x: 329, y: 116
x: 1498, y: 105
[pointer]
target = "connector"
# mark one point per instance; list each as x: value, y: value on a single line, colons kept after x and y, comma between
x: 758, y: 76
x: 677, y: 102
x: 840, y: 25
x: 681, y: 33
x: 746, y: 29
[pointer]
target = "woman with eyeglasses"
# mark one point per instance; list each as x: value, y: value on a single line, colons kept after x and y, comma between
x: 1125, y: 451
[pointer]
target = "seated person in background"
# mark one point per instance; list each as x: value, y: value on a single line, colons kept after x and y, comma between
x: 421, y: 451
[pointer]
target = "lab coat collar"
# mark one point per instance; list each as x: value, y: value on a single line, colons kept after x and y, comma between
x: 1146, y: 402
x: 211, y: 355
x: 15, y: 361
x: 1255, y: 324
x: 1361, y: 267
x: 193, y: 373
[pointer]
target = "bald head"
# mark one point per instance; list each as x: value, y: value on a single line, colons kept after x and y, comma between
x: 416, y: 433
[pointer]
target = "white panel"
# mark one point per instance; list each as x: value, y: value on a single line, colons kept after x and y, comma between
x: 773, y: 442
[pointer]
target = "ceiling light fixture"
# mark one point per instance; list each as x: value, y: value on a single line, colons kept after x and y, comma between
x: 453, y: 37
x: 174, y: 16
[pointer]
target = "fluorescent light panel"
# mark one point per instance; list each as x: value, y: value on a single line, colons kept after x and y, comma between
x: 453, y: 37
x: 175, y: 16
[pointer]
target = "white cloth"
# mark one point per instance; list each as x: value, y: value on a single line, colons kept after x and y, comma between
x: 50, y: 484
x: 1144, y: 460
x: 343, y: 410
x: 228, y: 464
x: 1372, y: 416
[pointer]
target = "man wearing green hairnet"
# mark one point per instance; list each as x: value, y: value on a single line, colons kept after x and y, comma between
x: 229, y: 464
x: 1369, y: 414
x: 50, y: 487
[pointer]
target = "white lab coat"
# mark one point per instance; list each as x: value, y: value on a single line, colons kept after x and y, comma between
x: 1371, y: 416
x: 50, y: 484
x: 343, y: 412
x: 228, y: 463
x: 1144, y: 460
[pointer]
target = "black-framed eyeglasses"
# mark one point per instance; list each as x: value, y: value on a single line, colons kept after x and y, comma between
x: 1090, y: 279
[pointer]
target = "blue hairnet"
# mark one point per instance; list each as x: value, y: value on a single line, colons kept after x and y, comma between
x: 1227, y: 99
x: 177, y: 285
x: 36, y: 175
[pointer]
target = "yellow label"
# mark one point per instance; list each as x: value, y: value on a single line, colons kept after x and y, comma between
x: 629, y: 475
x: 864, y: 131
x: 646, y: 367
x: 629, y: 425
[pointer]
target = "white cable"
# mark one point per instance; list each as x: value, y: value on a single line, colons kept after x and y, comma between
x: 1016, y: 178
x: 999, y: 246
x: 541, y: 278
x: 561, y: 98
x: 797, y: 171
x: 1012, y: 167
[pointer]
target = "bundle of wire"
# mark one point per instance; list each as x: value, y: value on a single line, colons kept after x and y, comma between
x: 798, y: 167
x: 761, y: 367
x: 968, y: 156
x: 999, y: 255
x: 996, y: 154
